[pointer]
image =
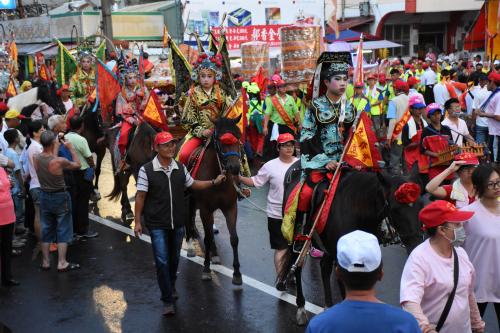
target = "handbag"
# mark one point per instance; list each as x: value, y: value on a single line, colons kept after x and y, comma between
x: 449, y: 302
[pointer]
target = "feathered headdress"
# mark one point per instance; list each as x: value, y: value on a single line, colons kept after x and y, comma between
x: 209, y: 61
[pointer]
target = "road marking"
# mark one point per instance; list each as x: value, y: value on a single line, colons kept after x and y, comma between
x: 270, y: 290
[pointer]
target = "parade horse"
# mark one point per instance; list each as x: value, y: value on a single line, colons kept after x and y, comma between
x: 221, y: 155
x: 366, y: 201
x: 139, y: 152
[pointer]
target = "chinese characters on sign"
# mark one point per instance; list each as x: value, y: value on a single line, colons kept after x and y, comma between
x: 262, y: 33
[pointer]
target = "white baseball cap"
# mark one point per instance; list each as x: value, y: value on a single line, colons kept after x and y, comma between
x: 359, y: 251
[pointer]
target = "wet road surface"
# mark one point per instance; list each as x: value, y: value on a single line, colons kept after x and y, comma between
x: 116, y: 289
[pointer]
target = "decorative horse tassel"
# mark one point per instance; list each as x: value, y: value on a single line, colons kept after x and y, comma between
x: 228, y: 139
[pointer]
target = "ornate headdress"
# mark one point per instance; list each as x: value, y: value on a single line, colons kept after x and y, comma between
x: 209, y: 61
x: 84, y: 50
x: 328, y: 65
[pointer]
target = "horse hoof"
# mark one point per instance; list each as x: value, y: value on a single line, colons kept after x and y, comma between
x: 191, y: 253
x: 301, y: 317
x: 215, y: 260
x: 206, y: 276
x: 237, y: 280
x: 95, y: 196
x: 129, y: 216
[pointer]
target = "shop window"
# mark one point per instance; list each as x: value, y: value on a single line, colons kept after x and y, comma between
x: 398, y: 33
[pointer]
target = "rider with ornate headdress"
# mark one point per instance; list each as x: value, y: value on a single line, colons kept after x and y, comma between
x: 321, y: 139
x: 205, y: 104
x: 43, y: 73
x: 4, y: 73
x: 130, y: 102
x: 82, y: 84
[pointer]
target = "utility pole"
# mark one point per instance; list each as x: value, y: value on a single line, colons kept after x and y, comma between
x: 107, y: 27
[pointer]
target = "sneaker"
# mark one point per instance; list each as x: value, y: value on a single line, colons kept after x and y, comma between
x: 315, y: 253
x: 168, y: 309
x: 90, y: 234
x: 16, y: 243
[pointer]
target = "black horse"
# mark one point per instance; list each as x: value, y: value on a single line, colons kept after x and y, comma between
x: 139, y: 152
x: 363, y: 200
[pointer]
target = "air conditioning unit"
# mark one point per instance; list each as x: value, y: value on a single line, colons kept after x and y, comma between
x: 364, y: 8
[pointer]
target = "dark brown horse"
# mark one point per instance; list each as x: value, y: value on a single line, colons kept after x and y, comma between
x: 363, y: 201
x: 218, y: 157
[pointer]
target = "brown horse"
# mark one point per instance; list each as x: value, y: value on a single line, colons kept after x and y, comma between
x: 218, y: 157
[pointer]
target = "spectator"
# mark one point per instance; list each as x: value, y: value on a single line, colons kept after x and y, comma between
x: 359, y: 101
x: 64, y: 94
x: 438, y: 272
x: 396, y: 110
x: 160, y: 188
x: 3, y: 110
x: 25, y: 86
x: 441, y: 93
x: 483, y: 237
x: 273, y: 172
x: 34, y: 148
x: 458, y: 127
x: 7, y: 219
x: 376, y: 100
x: 17, y: 191
x: 359, y: 268
x: 55, y: 201
x: 491, y: 110
x: 429, y: 80
x: 82, y: 179
x: 461, y: 193
x: 481, y: 129
x: 412, y: 131
x: 13, y: 120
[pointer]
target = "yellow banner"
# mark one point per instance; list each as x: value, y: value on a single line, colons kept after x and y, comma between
x: 359, y: 148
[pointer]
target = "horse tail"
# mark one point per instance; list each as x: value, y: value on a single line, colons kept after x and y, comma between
x: 286, y: 265
x: 117, y: 191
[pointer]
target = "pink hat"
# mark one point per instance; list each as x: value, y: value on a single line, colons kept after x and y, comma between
x: 416, y: 102
x: 433, y: 107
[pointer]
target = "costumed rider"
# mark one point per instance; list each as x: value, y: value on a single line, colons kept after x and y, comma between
x: 4, y: 74
x: 82, y: 84
x: 129, y: 104
x: 255, y: 118
x: 327, y: 119
x: 43, y: 74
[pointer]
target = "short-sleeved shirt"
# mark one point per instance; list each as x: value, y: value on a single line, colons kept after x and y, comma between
x: 358, y: 316
x: 483, y: 247
x: 458, y: 204
x: 81, y: 147
x: 493, y: 107
x: 479, y: 97
x: 428, y: 280
x: 460, y: 127
x: 12, y: 155
x: 273, y: 172
x: 142, y: 178
x: 34, y: 149
x: 288, y: 104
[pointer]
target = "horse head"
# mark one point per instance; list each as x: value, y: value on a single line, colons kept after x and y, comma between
x: 227, y: 136
x: 404, y: 202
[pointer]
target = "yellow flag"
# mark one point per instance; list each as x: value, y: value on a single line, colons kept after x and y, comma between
x: 11, y: 89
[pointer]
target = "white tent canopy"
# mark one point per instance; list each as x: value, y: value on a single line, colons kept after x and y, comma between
x: 376, y: 44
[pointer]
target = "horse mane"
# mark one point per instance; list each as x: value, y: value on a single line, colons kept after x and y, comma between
x: 27, y: 111
x: 228, y: 125
x: 48, y: 95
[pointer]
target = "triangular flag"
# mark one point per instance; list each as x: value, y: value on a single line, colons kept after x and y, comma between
x: 237, y: 109
x: 227, y: 77
x: 358, y: 71
x: 65, y: 65
x: 108, y: 87
x: 361, y: 151
x: 100, y: 53
x: 12, y: 50
x: 43, y: 73
x: 180, y: 69
x: 11, y: 89
x: 153, y: 112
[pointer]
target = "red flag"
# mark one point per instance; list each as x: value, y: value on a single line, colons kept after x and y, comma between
x: 153, y: 112
x: 108, y: 87
x: 358, y: 71
x: 361, y: 151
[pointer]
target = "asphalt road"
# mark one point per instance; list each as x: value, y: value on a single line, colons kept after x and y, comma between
x: 116, y: 289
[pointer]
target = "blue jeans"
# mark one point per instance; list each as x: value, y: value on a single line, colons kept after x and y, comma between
x: 481, y: 134
x: 166, y: 250
x: 19, y: 208
x: 55, y: 217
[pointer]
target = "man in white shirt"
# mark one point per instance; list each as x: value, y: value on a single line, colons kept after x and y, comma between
x: 480, y: 95
x: 428, y: 80
x: 441, y: 94
x: 458, y: 127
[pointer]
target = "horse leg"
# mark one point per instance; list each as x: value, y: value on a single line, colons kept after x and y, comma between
x: 191, y: 232
x: 214, y: 256
x: 208, y: 220
x: 127, y: 214
x: 231, y: 217
x: 301, y: 315
x: 326, y: 264
x: 100, y: 156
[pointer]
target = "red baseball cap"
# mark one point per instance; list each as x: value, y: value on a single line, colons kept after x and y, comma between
x: 407, y: 66
x: 412, y: 80
x: 285, y: 137
x: 163, y: 137
x: 359, y: 85
x: 439, y: 212
x: 494, y: 76
x: 469, y: 158
x: 401, y: 85
x: 425, y: 66
x: 371, y: 77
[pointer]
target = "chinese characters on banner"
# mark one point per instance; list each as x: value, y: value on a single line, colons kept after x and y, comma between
x: 262, y: 33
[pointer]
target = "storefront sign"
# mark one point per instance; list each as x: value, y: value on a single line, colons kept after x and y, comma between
x: 262, y: 33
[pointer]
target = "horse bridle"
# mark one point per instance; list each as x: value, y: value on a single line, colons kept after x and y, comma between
x: 222, y: 155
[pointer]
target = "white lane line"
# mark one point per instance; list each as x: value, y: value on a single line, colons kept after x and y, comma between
x: 270, y: 290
